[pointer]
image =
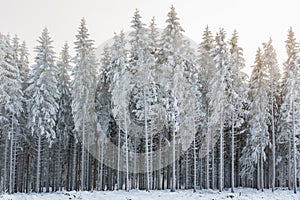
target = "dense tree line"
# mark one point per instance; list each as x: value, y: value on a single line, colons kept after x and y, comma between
x: 152, y: 113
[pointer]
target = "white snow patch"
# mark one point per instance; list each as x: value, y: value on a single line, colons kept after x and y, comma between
x: 240, y: 194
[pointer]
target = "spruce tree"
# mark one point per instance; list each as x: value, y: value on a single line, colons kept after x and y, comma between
x: 237, y: 96
x: 289, y: 110
x: 64, y: 126
x: 83, y: 94
x: 42, y: 106
x: 218, y: 94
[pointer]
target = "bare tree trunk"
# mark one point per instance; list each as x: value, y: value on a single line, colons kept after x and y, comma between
x: 119, y: 154
x: 101, y: 167
x: 258, y: 174
x: 232, y: 154
x: 146, y: 143
x: 195, y: 156
x: 221, y: 153
x: 212, y: 167
x: 127, y: 159
x: 289, y: 161
x: 173, y: 162
x: 160, y: 178
x: 294, y: 149
x: 273, y: 148
x: 5, y: 164
x: 262, y: 168
x: 37, y: 184
x: 11, y: 158
x: 82, y: 158
x: 74, y: 165
x: 207, y: 156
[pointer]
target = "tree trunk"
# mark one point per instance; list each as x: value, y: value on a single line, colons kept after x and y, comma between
x: 74, y: 165
x: 127, y: 159
x: 195, y: 156
x: 5, y: 164
x: 82, y: 185
x: 101, y: 167
x: 146, y: 143
x: 221, y: 153
x: 258, y: 173
x: 207, y: 155
x: 212, y: 166
x: 173, y: 162
x: 289, y: 161
x: 160, y: 178
x: 294, y: 149
x: 37, y: 184
x: 273, y: 148
x: 119, y: 154
x: 262, y: 168
x: 11, y: 158
x: 232, y: 154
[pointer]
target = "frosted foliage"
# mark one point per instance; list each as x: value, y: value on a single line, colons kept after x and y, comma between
x: 65, y: 122
x: 11, y: 96
x: 290, y: 95
x: 84, y: 81
x: 259, y: 115
x: 42, y: 88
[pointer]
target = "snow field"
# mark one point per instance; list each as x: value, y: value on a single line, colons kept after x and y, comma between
x: 240, y: 194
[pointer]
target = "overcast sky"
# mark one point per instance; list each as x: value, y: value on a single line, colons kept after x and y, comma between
x: 255, y: 20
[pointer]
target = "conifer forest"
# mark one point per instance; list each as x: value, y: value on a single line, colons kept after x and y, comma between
x: 152, y: 112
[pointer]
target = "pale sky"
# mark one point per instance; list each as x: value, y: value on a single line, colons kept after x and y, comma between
x: 255, y: 20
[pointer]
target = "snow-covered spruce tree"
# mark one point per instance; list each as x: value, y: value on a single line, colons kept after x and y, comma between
x: 171, y: 49
x: 116, y: 69
x: 153, y: 40
x: 103, y: 111
x: 83, y: 94
x: 270, y: 64
x: 22, y: 167
x: 218, y: 94
x: 206, y: 72
x: 139, y: 53
x: 64, y: 126
x: 11, y: 98
x: 258, y: 138
x: 42, y: 106
x: 237, y: 95
x: 289, y: 111
x: 24, y: 63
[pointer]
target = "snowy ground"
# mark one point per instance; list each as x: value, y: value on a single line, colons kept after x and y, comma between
x: 240, y: 194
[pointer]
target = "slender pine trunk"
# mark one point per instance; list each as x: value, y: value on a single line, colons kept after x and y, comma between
x: 212, y: 166
x: 5, y: 164
x: 289, y: 161
x: 74, y: 165
x: 173, y: 162
x: 294, y: 149
x: 127, y: 159
x: 160, y: 178
x: 232, y: 154
x: 146, y: 143
x: 82, y: 184
x: 194, y: 151
x: 101, y: 167
x: 207, y: 155
x: 258, y: 172
x: 221, y: 153
x: 273, y: 147
x: 262, y: 168
x: 11, y: 158
x: 38, y: 165
x: 119, y: 154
